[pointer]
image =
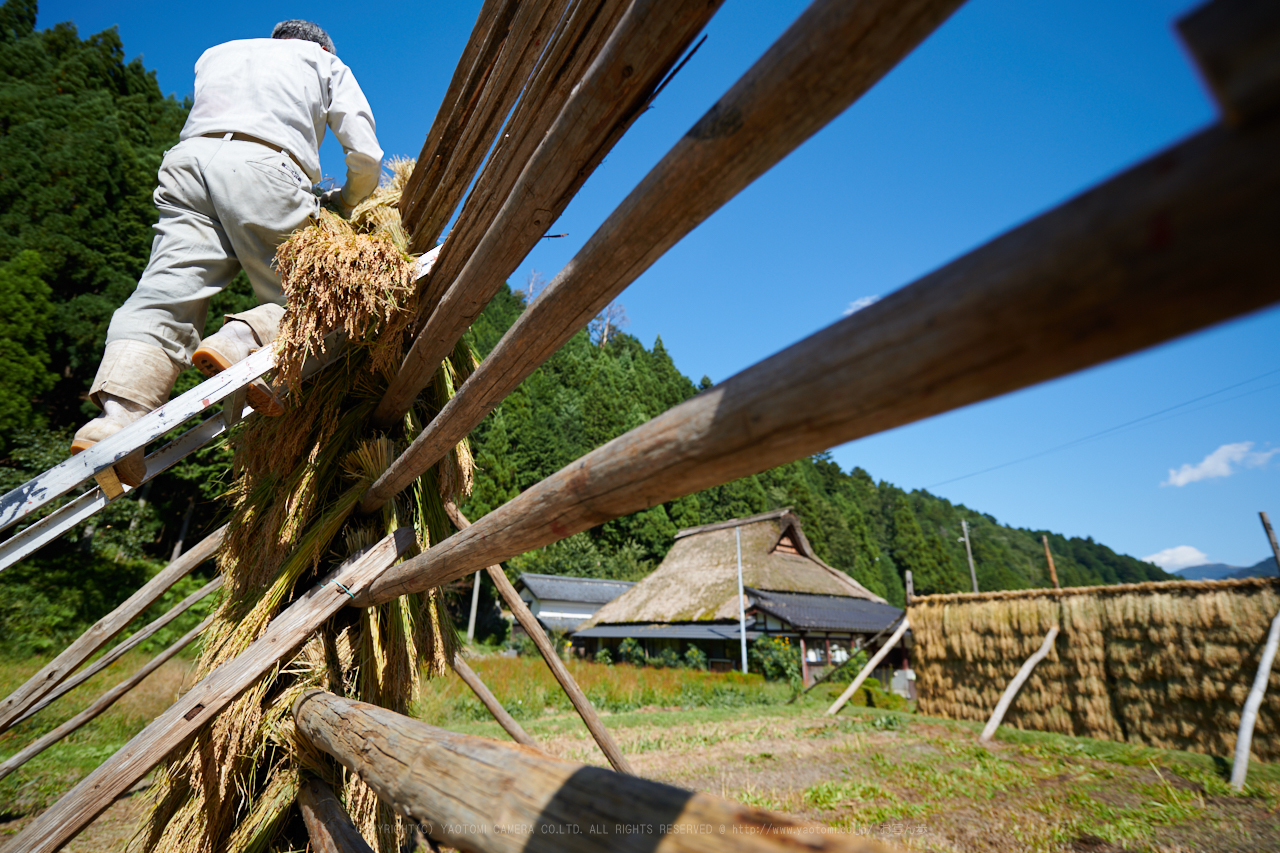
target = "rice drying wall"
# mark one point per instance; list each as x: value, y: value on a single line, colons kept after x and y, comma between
x: 1162, y: 664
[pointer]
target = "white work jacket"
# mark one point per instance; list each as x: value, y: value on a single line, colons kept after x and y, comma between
x: 286, y: 91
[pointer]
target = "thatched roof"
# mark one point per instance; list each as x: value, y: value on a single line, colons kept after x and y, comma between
x: 698, y: 580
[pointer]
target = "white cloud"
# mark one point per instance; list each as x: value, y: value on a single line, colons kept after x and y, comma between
x: 1223, y: 462
x: 1181, y: 557
x: 858, y: 304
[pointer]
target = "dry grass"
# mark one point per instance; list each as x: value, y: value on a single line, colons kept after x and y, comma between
x: 1164, y: 664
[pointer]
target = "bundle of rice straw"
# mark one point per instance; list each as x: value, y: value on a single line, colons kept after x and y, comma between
x: 298, y: 480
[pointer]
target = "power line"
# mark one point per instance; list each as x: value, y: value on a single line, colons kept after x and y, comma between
x: 1135, y: 422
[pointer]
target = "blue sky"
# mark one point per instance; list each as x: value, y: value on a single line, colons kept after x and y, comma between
x: 1009, y: 109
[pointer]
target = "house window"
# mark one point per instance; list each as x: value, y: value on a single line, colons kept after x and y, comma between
x: 787, y: 544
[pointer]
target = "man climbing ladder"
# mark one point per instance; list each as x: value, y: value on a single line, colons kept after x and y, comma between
x: 234, y: 187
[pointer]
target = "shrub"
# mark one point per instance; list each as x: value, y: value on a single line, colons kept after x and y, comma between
x: 630, y: 651
x: 774, y: 658
x: 667, y: 659
x: 695, y: 658
x: 604, y: 657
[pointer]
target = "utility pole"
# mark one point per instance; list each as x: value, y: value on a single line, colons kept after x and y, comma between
x: 475, y: 605
x: 742, y: 611
x: 968, y: 549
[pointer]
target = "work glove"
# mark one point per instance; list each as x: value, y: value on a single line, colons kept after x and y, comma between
x: 332, y: 199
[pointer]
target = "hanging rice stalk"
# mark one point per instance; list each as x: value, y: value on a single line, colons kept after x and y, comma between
x: 298, y: 479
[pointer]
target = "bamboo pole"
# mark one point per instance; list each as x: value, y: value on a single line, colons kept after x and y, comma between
x: 482, y: 795
x: 1249, y: 714
x: 287, y: 632
x: 1075, y: 287
x: 102, y: 631
x: 328, y: 824
x: 129, y: 644
x: 486, y: 697
x: 869, y: 668
x: 102, y: 703
x: 825, y: 61
x: 534, y: 629
x: 1048, y: 556
x: 616, y: 89
x: 1006, y: 698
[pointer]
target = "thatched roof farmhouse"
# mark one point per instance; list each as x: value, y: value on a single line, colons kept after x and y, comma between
x: 692, y: 597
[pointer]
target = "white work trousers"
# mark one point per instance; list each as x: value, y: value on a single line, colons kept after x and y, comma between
x: 224, y: 205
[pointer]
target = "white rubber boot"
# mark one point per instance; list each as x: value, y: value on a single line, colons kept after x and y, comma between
x: 117, y: 413
x: 235, y: 341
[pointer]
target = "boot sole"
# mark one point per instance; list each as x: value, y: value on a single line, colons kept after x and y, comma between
x: 211, y: 363
x: 131, y: 470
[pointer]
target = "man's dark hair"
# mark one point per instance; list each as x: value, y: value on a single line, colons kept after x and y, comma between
x: 304, y: 30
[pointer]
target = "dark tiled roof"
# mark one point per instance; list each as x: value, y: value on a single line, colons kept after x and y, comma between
x: 679, y: 631
x: 585, y: 590
x: 825, y: 612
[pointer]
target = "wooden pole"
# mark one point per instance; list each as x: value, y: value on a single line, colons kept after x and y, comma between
x: 486, y: 697
x: 102, y: 703
x: 328, y: 824
x: 1006, y: 699
x: 129, y: 644
x: 616, y: 89
x: 1249, y: 714
x: 102, y: 631
x: 287, y: 632
x: 182, y: 531
x: 911, y: 587
x: 1233, y: 42
x: 804, y: 663
x: 825, y: 61
x: 481, y: 795
x: 1077, y: 286
x: 968, y: 550
x: 534, y: 629
x: 869, y: 668
x: 1053, y: 572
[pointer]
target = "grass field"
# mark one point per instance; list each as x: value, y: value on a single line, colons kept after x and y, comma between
x: 918, y: 782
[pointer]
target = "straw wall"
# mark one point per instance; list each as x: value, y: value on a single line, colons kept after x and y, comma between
x: 1162, y: 664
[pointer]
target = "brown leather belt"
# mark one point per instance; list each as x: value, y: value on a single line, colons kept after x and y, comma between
x: 244, y: 137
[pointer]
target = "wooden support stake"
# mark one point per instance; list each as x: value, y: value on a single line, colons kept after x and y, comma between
x: 508, y: 722
x: 481, y: 795
x: 1006, y: 699
x: 1249, y: 714
x: 534, y: 629
x: 825, y: 61
x: 102, y: 703
x: 120, y: 650
x: 1053, y: 572
x: 869, y: 668
x: 615, y: 91
x: 1236, y: 43
x: 287, y: 632
x: 102, y: 631
x: 328, y: 823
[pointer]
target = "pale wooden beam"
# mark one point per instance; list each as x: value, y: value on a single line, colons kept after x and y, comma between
x: 869, y: 668
x: 824, y: 62
x: 1249, y: 713
x: 646, y: 43
x: 1006, y: 698
x: 481, y: 795
x: 534, y: 629
x: 120, y: 650
x: 486, y: 697
x: 102, y: 631
x: 328, y: 824
x: 102, y: 703
x: 1175, y: 244
x: 287, y: 632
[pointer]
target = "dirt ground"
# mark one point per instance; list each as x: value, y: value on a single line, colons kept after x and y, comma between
x: 915, y: 783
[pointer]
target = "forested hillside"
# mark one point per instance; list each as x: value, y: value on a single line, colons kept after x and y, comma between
x: 82, y: 132
x: 587, y: 394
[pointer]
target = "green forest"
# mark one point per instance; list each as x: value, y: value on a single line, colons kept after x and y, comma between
x: 82, y: 132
